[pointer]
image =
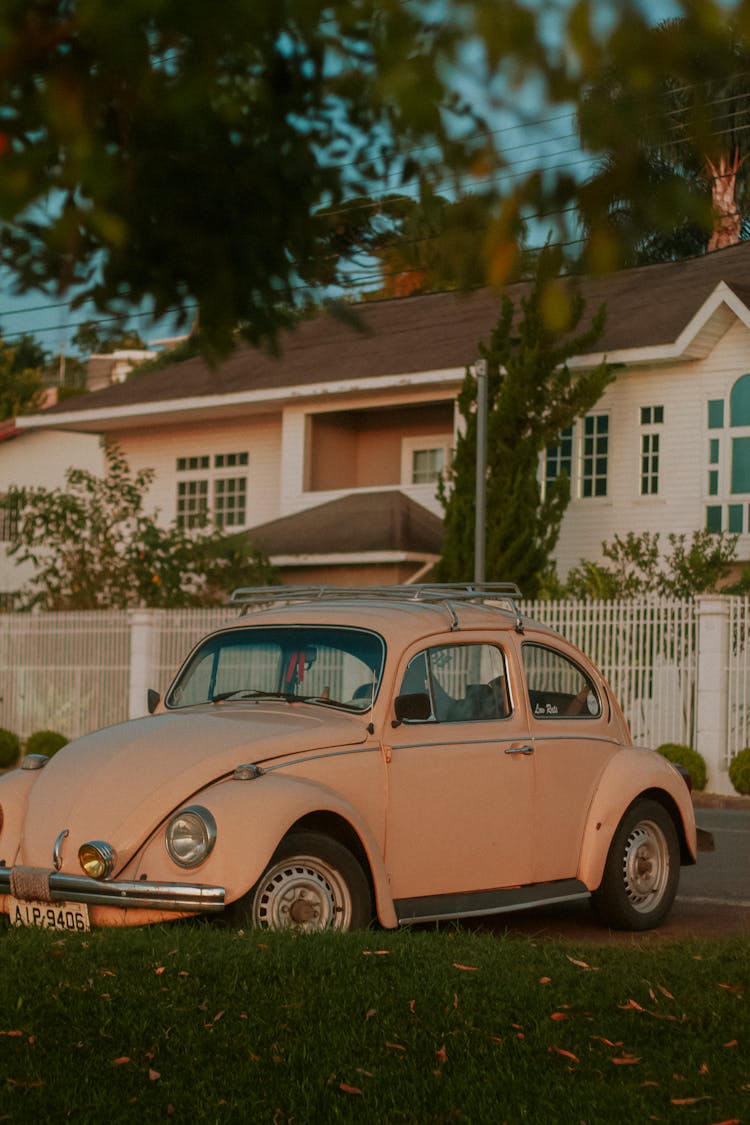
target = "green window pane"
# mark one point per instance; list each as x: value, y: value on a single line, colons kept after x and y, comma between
x: 645, y: 415
x: 739, y: 402
x: 716, y: 414
x: 658, y: 414
x: 713, y: 451
x: 713, y: 482
x: 735, y: 518
x: 713, y: 519
x: 740, y: 464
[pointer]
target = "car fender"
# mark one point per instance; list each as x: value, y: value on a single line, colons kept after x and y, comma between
x: 252, y: 817
x: 631, y: 774
x: 14, y: 795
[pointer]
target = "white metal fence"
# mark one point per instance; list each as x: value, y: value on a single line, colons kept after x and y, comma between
x: 738, y: 677
x: 75, y: 672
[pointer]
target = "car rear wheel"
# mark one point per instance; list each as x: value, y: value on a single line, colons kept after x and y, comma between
x: 312, y: 883
x: 642, y: 870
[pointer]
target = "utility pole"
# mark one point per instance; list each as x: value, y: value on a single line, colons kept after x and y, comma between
x: 480, y: 523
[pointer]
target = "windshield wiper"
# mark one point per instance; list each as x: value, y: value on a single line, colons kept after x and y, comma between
x: 254, y: 693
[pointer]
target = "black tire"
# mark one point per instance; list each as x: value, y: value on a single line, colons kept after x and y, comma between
x: 311, y: 883
x: 642, y: 870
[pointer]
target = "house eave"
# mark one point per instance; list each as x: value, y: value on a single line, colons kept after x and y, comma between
x: 268, y: 400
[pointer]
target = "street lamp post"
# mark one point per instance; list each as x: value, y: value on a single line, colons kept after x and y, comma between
x: 480, y: 521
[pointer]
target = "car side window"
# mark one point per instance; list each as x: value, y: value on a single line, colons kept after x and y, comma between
x: 558, y: 688
x: 464, y: 682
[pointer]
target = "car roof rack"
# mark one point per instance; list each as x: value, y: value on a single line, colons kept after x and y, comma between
x: 498, y: 595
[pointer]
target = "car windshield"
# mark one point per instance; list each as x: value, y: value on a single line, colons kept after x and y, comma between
x: 339, y: 667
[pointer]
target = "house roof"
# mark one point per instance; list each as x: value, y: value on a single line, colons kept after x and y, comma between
x: 658, y: 311
x: 353, y: 525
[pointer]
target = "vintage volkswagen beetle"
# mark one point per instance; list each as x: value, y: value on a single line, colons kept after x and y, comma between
x: 339, y: 756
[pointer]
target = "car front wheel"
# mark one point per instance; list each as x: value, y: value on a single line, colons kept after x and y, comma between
x: 642, y: 870
x: 312, y: 883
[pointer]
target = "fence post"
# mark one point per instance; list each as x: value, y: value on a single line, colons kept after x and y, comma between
x: 145, y: 627
x: 712, y: 696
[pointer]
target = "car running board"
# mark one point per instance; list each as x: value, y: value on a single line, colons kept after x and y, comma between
x: 431, y: 908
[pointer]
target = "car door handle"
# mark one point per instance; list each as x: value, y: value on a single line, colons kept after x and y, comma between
x: 519, y: 749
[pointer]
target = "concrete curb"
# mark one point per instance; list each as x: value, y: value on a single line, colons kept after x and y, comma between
x: 719, y: 801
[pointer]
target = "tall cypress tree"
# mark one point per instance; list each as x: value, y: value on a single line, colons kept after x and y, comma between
x: 532, y: 396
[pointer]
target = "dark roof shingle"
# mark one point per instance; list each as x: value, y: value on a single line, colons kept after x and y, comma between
x: 435, y: 331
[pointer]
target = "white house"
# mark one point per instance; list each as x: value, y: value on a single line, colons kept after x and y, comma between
x: 36, y: 459
x: 352, y: 422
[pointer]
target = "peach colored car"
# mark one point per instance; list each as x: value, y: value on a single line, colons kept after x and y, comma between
x: 340, y: 756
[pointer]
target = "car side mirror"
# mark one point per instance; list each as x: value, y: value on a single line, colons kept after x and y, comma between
x: 153, y: 699
x: 415, y: 707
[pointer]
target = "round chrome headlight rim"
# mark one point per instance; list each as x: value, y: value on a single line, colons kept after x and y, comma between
x: 97, y: 859
x: 190, y: 836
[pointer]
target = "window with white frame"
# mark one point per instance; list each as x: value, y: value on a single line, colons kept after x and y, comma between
x: 558, y: 459
x: 652, y: 418
x: 424, y: 460
x: 207, y: 494
x: 8, y: 521
x: 595, y: 455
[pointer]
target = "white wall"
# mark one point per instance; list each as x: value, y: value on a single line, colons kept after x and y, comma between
x: 683, y: 390
x: 39, y: 459
x: 159, y: 448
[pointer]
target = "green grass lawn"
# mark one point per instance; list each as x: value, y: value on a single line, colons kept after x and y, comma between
x: 192, y: 1023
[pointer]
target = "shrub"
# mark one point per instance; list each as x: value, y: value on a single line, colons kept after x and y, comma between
x: 687, y: 757
x: 10, y: 748
x: 45, y: 742
x: 739, y: 771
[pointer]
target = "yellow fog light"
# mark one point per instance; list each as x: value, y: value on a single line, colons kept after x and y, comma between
x: 97, y: 859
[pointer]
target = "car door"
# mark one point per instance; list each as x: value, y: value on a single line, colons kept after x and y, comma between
x: 460, y: 783
x: 573, y: 739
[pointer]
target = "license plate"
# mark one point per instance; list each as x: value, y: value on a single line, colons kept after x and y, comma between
x: 67, y: 916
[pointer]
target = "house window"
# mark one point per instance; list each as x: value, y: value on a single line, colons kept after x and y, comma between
x: 558, y: 459
x: 716, y: 414
x: 424, y: 460
x: 192, y: 503
x: 427, y: 465
x: 8, y: 522
x: 652, y: 415
x: 649, y: 464
x: 595, y: 455
x: 713, y: 518
x: 230, y: 501
x: 205, y: 494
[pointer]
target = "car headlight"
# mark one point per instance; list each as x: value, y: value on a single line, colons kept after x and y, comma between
x: 97, y: 859
x: 190, y: 836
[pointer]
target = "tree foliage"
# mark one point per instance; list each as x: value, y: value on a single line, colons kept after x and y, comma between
x: 637, y: 565
x: 94, y: 546
x: 680, y: 184
x: 209, y: 157
x: 21, y: 385
x: 532, y: 396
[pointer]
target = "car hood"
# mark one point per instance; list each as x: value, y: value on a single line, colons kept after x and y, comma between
x: 119, y: 783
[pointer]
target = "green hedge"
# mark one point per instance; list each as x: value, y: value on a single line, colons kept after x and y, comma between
x: 689, y: 758
x: 45, y: 742
x: 739, y: 771
x: 10, y: 748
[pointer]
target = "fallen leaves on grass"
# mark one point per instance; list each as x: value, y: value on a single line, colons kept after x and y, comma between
x: 347, y: 1089
x: 565, y: 1054
x: 583, y: 965
x: 625, y: 1060
x: 466, y: 968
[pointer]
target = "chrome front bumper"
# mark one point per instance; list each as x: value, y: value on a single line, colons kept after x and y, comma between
x: 154, y: 896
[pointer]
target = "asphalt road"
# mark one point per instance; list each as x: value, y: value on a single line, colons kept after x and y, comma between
x: 713, y: 897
